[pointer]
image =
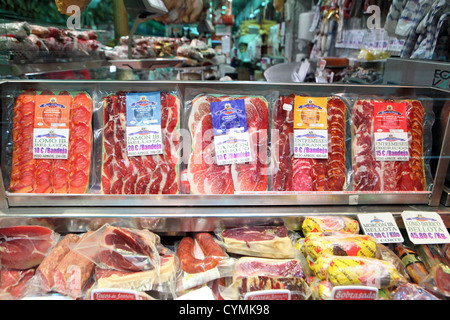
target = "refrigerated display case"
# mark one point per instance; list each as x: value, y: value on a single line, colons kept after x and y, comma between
x: 176, y: 215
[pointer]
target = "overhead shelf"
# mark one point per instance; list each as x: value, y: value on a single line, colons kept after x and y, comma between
x: 40, y: 68
x: 147, y: 64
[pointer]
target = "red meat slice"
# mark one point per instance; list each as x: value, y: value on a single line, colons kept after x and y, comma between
x: 24, y: 247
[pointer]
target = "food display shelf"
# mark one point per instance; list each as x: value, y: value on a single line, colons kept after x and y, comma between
x: 347, y: 199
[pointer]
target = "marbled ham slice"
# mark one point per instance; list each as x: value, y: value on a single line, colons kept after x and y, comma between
x: 152, y: 174
x: 204, y: 175
x: 301, y: 174
x: 13, y: 283
x: 372, y: 175
x: 70, y: 175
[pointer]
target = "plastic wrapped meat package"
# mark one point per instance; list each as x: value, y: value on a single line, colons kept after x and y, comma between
x: 37, y: 164
x: 154, y: 168
x: 405, y: 122
x: 229, y: 143
x: 291, y: 172
x: 202, y: 261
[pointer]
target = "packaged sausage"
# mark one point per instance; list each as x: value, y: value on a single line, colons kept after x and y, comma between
x: 318, y: 244
x: 201, y: 260
x: 438, y: 281
x: 329, y: 223
x: 356, y: 271
x: 259, y: 241
x: 413, y: 263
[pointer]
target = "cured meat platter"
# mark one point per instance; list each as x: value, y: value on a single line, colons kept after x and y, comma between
x: 264, y: 128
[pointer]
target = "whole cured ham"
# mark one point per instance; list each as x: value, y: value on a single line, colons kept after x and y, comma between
x: 24, y: 247
x: 29, y: 175
x: 205, y: 176
x: 372, y: 175
x: 150, y: 174
x: 306, y: 174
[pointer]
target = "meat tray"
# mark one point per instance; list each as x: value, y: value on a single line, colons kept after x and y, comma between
x: 10, y: 89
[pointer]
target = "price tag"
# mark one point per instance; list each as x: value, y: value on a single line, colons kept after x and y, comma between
x: 143, y: 124
x: 51, y: 126
x: 425, y: 227
x: 280, y: 294
x: 390, y: 131
x: 231, y: 139
x: 310, y: 127
x: 354, y: 293
x: 381, y: 226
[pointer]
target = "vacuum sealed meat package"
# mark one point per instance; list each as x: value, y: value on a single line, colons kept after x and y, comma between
x: 229, y: 138
x: 140, y: 147
x: 390, y: 145
x: 308, y: 144
x: 52, y: 139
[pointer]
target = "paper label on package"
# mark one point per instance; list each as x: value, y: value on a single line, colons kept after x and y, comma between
x: 143, y: 131
x: 354, y: 293
x: 51, y: 126
x: 425, y: 227
x: 114, y: 294
x: 310, y: 127
x: 231, y: 138
x: 276, y: 294
x: 390, y: 131
x: 381, y: 226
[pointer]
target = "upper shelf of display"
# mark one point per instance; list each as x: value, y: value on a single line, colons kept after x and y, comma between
x: 189, y: 89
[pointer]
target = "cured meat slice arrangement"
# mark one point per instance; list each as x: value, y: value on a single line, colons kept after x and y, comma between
x: 29, y: 175
x: 372, y: 175
x: 151, y: 174
x: 204, y: 175
x: 304, y: 174
x: 13, y: 283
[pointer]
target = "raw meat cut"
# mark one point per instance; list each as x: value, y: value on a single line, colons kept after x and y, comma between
x: 13, y: 283
x: 45, y: 271
x: 204, y: 175
x: 24, y: 247
x: 304, y: 174
x: 259, y: 241
x: 151, y: 174
x: 128, y: 250
x: 29, y: 175
x: 371, y: 175
x: 73, y: 273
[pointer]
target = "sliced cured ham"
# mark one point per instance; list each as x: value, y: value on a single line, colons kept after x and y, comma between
x: 372, y: 175
x: 151, y: 174
x: 205, y: 176
x: 304, y: 174
x: 29, y: 175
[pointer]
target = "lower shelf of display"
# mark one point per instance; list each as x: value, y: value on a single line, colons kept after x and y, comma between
x: 248, y: 199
